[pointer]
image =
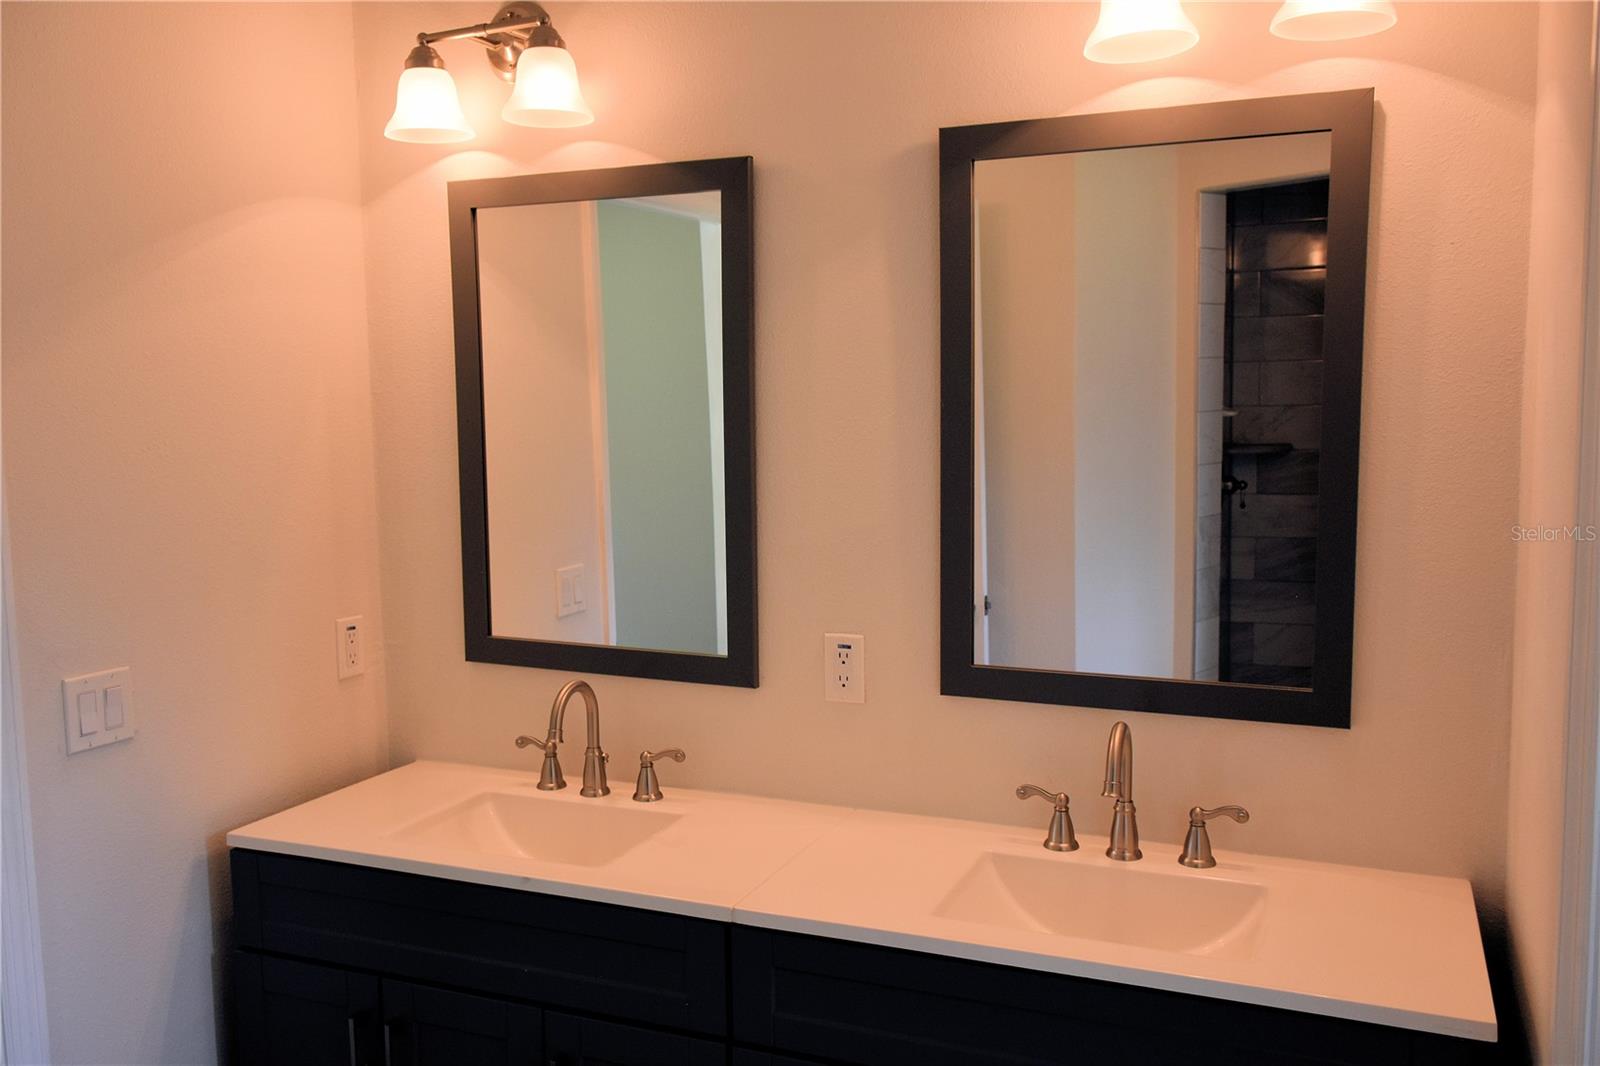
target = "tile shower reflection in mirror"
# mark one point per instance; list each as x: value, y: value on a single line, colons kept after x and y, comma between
x: 1148, y: 345
x: 602, y: 384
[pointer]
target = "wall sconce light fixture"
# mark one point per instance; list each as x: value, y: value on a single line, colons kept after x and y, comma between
x: 523, y: 47
x: 1138, y: 31
x: 1332, y: 20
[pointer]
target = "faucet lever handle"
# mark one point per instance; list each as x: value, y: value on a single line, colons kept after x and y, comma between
x: 551, y: 778
x: 1197, y: 844
x: 648, y: 788
x: 1060, y: 799
x: 648, y: 758
x: 1059, y: 837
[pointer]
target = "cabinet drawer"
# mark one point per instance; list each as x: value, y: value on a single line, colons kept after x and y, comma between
x: 571, y: 1041
x: 847, y: 1002
x: 654, y: 968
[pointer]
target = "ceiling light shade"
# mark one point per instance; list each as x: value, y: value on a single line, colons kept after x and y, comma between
x: 1332, y: 20
x: 426, y: 108
x: 1138, y: 31
x: 547, y: 93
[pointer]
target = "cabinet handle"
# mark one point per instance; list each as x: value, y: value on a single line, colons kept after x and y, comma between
x: 388, y: 1058
x: 350, y: 1028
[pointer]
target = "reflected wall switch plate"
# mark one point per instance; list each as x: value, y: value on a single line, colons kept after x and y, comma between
x: 98, y: 709
x: 350, y: 647
x: 844, y: 662
x: 569, y: 590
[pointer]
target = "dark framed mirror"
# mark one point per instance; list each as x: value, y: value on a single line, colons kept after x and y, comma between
x: 604, y: 389
x: 1151, y: 327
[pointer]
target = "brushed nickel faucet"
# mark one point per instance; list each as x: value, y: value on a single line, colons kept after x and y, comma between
x: 1059, y: 837
x: 648, y: 788
x: 1197, y: 845
x: 1124, y: 844
x: 594, y: 759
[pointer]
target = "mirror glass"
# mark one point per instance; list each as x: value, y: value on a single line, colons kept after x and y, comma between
x: 601, y: 325
x: 1148, y: 390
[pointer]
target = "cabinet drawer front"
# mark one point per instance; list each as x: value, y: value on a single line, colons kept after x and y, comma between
x: 435, y: 1027
x: 571, y: 1041
x: 856, y: 1003
x: 654, y: 968
x: 298, y: 1014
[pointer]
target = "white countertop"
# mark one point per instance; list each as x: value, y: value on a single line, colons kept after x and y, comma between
x: 1350, y: 942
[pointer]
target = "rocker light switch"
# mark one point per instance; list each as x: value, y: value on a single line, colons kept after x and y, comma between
x: 88, y: 714
x: 98, y: 709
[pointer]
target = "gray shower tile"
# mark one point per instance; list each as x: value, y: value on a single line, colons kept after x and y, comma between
x: 1298, y: 426
x: 1292, y: 292
x: 1241, y: 557
x: 1294, y: 473
x: 1295, y: 382
x: 1271, y: 601
x: 1277, y: 644
x: 1282, y: 337
x: 1286, y: 558
x: 1281, y: 246
x: 1244, y: 384
x: 1276, y: 516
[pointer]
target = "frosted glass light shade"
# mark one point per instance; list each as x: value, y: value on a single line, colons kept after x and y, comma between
x: 1332, y: 20
x: 1138, y: 31
x: 546, y: 92
x: 426, y: 109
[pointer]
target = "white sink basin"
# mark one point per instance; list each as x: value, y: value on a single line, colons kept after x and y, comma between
x: 587, y: 833
x: 1126, y: 905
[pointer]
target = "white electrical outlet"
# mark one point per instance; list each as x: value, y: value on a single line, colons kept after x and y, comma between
x: 844, y: 662
x: 350, y: 646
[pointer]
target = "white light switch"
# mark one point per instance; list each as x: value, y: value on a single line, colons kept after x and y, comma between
x: 115, y: 714
x: 569, y: 590
x: 98, y: 709
x: 88, y: 713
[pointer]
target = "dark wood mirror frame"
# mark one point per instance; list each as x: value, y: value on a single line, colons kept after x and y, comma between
x: 1347, y: 116
x: 730, y: 177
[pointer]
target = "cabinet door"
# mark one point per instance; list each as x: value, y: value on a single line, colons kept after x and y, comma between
x: 425, y: 1026
x: 300, y: 1014
x: 573, y: 1041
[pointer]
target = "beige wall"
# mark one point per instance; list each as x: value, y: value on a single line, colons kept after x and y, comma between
x: 188, y: 463
x: 538, y: 276
x: 840, y: 106
x: 1123, y: 433
x: 1025, y: 305
x: 1549, y: 497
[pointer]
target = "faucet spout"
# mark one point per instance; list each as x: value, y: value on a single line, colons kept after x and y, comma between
x: 1124, y: 843
x: 594, y: 758
x: 591, y: 712
x: 1119, y: 763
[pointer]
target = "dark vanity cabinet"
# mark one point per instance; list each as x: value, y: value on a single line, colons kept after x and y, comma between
x: 345, y: 964
x: 339, y: 964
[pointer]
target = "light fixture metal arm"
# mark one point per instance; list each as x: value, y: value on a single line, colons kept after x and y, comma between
x: 517, y: 26
x: 482, y: 31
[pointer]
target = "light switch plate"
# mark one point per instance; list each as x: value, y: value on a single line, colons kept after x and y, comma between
x: 569, y: 591
x: 98, y: 709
